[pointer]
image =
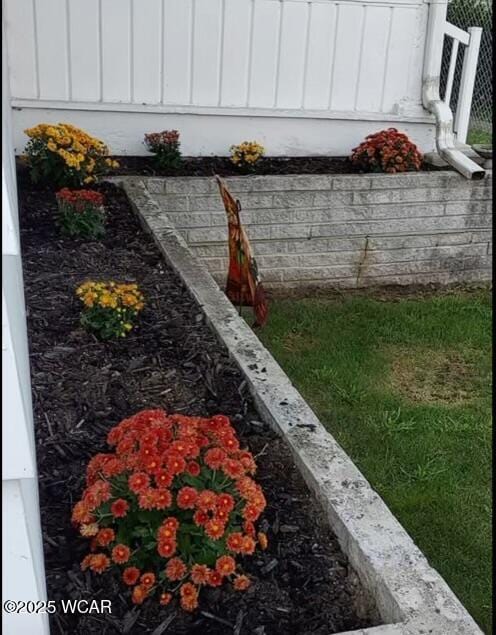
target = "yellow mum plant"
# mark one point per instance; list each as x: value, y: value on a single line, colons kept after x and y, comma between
x: 247, y: 154
x: 64, y: 155
x: 110, y: 308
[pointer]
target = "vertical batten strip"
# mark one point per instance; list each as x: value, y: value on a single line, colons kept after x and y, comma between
x: 100, y: 48
x: 278, y: 63
x: 221, y: 50
x: 386, y: 60
x: 419, y: 35
x: 305, y: 61
x: 68, y: 45
x: 360, y: 55
x: 192, y: 50
x: 36, y: 60
x: 131, y: 50
x: 161, y: 77
x: 333, y: 62
x: 250, y: 52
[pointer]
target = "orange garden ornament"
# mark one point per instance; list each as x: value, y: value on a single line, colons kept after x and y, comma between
x: 243, y: 286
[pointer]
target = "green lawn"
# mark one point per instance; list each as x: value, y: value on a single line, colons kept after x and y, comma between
x: 479, y: 136
x: 405, y: 386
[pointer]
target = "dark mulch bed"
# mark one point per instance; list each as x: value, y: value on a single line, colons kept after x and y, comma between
x: 82, y: 387
x: 206, y: 166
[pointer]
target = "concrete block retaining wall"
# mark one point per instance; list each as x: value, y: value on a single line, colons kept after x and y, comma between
x: 341, y: 231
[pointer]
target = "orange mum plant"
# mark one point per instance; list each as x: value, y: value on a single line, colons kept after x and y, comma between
x: 387, y: 151
x: 174, y: 505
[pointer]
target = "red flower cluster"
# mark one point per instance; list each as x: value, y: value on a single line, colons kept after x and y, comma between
x: 165, y: 145
x: 387, y: 151
x: 177, y: 499
x: 81, y: 213
x: 165, y: 138
x: 80, y: 199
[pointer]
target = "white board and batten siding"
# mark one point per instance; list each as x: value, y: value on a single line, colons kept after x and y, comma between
x: 23, y: 573
x: 330, y: 71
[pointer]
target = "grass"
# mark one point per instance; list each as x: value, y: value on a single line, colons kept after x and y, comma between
x: 405, y: 387
x: 482, y: 137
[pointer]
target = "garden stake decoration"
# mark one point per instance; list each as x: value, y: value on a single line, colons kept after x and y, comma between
x: 243, y: 286
x: 173, y: 506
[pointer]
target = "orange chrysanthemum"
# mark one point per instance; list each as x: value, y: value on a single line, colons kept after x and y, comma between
x: 251, y: 512
x: 113, y: 467
x: 200, y: 518
x: 189, y: 596
x: 233, y: 468
x: 171, y: 522
x: 167, y: 548
x: 206, y: 500
x: 148, y: 579
x: 138, y: 482
x: 154, y: 458
x: 200, y: 573
x: 225, y: 565
x: 241, y: 582
x: 162, y: 498
x: 165, y: 533
x: 86, y: 561
x: 105, y: 536
x: 163, y: 479
x: 130, y: 575
x: 139, y: 594
x: 81, y: 513
x: 214, y: 529
x: 175, y: 569
x: 88, y: 531
x: 147, y: 499
x: 193, y: 468
x: 249, y: 528
x: 235, y: 542
x: 119, y: 508
x: 214, y: 579
x: 215, y: 457
x: 248, y: 545
x: 175, y: 463
x: 121, y: 554
x: 99, y: 562
x: 225, y: 501
x: 186, y: 498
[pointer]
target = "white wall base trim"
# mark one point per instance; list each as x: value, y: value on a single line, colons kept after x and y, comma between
x: 208, y: 132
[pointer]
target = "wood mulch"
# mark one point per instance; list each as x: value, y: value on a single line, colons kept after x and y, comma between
x: 207, y: 166
x: 82, y: 387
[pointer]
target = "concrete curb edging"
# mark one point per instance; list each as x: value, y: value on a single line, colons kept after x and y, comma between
x: 411, y: 597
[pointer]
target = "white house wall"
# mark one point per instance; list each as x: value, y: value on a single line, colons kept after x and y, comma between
x: 23, y: 573
x: 319, y: 61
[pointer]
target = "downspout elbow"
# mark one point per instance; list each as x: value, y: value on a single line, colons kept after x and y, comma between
x: 431, y: 99
x: 445, y: 141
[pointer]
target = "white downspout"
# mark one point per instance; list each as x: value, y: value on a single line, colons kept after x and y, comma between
x: 431, y: 99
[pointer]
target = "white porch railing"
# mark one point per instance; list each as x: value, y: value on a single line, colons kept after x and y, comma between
x: 471, y: 41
